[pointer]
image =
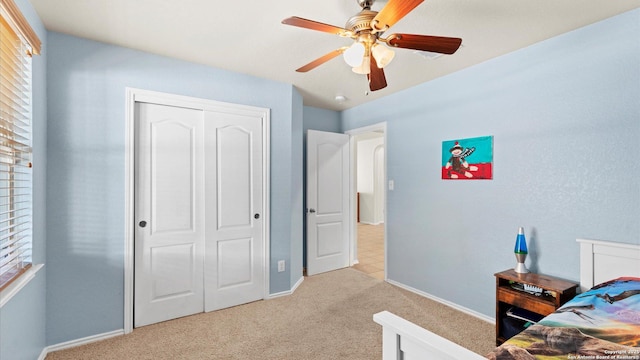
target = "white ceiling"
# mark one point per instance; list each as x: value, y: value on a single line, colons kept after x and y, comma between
x: 248, y: 37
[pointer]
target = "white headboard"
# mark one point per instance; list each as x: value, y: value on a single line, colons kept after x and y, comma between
x: 604, y: 260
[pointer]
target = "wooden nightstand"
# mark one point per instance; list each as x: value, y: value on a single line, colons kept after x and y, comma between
x: 556, y: 292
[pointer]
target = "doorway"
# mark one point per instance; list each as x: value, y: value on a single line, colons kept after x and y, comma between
x: 368, y: 186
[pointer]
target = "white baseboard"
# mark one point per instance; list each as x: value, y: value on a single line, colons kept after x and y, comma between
x: 371, y: 223
x: 78, y: 342
x: 445, y: 302
x: 297, y: 284
x: 287, y: 292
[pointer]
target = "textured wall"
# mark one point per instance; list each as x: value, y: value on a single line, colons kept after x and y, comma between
x: 295, y: 264
x: 365, y: 174
x: 23, y: 318
x: 565, y: 116
x: 86, y: 149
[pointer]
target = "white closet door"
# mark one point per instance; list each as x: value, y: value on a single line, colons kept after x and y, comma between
x: 169, y: 213
x: 234, y: 263
x: 199, y: 180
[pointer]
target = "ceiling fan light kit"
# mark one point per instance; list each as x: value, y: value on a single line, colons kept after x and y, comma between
x: 354, y: 54
x: 382, y: 54
x: 366, y: 29
x: 364, y: 68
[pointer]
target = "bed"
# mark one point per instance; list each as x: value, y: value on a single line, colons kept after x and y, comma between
x: 581, y: 329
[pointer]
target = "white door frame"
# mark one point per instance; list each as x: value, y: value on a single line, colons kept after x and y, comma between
x: 378, y: 185
x: 138, y: 95
x: 353, y: 233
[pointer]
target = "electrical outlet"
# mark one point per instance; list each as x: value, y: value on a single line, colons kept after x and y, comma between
x: 392, y: 185
x: 281, y: 266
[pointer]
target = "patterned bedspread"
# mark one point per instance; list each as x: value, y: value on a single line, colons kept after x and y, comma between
x: 602, y: 323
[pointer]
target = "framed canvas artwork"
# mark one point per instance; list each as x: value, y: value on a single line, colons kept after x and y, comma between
x: 468, y: 159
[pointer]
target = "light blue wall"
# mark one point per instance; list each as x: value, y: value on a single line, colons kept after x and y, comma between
x: 22, y: 319
x: 321, y: 119
x: 297, y: 193
x: 22, y: 322
x: 565, y: 116
x: 86, y: 153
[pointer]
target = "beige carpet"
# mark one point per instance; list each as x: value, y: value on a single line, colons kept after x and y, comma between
x: 328, y: 317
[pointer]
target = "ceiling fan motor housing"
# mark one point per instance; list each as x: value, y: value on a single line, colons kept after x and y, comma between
x: 361, y: 21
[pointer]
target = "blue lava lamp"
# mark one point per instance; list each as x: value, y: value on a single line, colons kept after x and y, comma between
x: 521, y: 252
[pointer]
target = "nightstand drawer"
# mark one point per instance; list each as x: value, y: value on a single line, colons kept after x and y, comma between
x: 525, y: 301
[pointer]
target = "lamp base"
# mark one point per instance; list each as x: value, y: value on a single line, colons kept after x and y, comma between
x: 521, y: 268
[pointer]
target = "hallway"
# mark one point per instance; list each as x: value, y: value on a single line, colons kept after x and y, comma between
x: 371, y: 250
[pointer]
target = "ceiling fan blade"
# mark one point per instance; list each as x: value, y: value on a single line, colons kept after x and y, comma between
x: 438, y: 44
x: 392, y: 13
x: 321, y: 60
x: 376, y: 77
x: 314, y: 25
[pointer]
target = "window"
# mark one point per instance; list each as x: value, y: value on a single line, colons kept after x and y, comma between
x: 17, y: 43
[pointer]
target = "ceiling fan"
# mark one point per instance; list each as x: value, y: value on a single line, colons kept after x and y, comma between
x: 366, y: 29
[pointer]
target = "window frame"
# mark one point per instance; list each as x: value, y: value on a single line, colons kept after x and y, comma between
x: 12, y: 282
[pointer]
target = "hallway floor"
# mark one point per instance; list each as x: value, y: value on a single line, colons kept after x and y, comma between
x: 371, y: 250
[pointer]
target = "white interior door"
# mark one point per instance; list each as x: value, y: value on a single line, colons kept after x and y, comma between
x: 327, y: 201
x: 169, y: 209
x: 234, y: 264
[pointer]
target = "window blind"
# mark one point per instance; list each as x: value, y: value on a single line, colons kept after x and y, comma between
x: 15, y: 154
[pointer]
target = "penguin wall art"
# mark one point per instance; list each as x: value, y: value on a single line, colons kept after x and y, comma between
x: 468, y: 159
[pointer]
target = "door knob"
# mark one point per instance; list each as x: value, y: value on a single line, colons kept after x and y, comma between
x: 312, y: 210
x: 256, y: 216
x: 142, y: 223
